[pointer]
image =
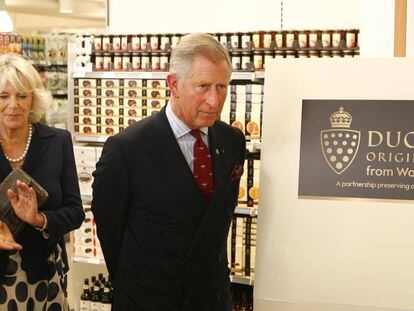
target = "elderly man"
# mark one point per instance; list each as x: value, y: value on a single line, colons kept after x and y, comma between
x: 165, y: 190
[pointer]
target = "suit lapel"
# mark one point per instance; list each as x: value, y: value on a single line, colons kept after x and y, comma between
x: 37, y: 148
x: 174, y: 168
x: 215, y: 207
x: 218, y: 157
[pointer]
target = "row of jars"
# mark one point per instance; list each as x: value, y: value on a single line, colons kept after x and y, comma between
x: 125, y: 43
x: 245, y: 61
x: 291, y: 39
x: 131, y: 62
x: 257, y: 61
x: 313, y: 39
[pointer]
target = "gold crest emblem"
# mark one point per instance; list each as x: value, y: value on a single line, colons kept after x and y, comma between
x: 340, y: 144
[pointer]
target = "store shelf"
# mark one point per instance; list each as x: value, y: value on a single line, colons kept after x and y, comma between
x: 90, y: 139
x: 47, y: 63
x: 244, y: 210
x: 259, y: 74
x: 86, y: 197
x: 242, y: 75
x: 244, y: 280
x: 250, y: 146
x: 253, y: 146
x: 94, y: 261
x: 120, y: 75
x: 59, y: 92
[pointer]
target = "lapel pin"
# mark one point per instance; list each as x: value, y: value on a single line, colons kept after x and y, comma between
x: 217, y: 151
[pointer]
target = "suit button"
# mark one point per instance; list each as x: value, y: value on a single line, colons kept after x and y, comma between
x: 186, y: 301
x: 172, y: 223
x: 219, y: 257
x: 218, y: 295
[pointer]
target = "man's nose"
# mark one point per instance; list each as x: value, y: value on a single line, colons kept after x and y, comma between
x: 212, y: 98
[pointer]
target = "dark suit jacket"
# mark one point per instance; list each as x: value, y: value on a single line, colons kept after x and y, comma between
x: 165, y: 250
x: 50, y: 161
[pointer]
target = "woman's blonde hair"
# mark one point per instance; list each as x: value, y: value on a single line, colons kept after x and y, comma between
x: 192, y: 45
x: 25, y: 79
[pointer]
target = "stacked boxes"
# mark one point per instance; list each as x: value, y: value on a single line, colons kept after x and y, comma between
x: 241, y: 245
x: 107, y: 106
x: 86, y: 158
x: 244, y: 109
x: 250, y: 184
x: 86, y: 243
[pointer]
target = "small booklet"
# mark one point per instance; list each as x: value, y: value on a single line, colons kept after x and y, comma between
x: 7, y: 214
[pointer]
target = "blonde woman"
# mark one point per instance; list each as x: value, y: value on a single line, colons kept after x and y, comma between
x: 33, y: 266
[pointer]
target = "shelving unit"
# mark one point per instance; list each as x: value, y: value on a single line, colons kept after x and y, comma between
x: 244, y: 280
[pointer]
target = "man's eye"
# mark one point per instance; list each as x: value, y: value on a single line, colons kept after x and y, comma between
x: 203, y: 86
x: 222, y: 87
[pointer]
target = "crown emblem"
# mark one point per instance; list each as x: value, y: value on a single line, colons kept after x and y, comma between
x: 341, y: 119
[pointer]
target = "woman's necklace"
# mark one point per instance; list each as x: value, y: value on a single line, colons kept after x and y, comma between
x: 15, y: 160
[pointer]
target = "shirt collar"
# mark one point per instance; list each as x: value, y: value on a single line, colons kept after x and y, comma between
x: 178, y: 127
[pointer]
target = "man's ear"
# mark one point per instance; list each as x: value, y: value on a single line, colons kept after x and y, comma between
x: 173, y: 84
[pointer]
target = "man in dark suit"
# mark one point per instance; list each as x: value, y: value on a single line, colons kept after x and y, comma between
x: 165, y: 190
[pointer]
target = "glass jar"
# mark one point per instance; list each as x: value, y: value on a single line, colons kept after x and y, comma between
x: 136, y: 43
x: 258, y: 61
x: 136, y: 61
x: 236, y: 61
x: 267, y: 40
x: 279, y: 39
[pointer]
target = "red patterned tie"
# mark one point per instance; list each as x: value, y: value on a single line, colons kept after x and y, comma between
x: 203, y: 169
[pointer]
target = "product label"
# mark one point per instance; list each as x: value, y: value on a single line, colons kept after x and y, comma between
x: 245, y: 42
x: 256, y: 40
x: 313, y: 38
x: 303, y: 40
x: 267, y: 40
x: 336, y: 40
x: 95, y: 306
x: 326, y: 40
x: 144, y: 43
x: 290, y: 38
x: 85, y: 305
x: 106, y: 307
x: 135, y: 43
x: 164, y: 41
x: 124, y: 43
x: 235, y: 41
x: 117, y: 43
x: 154, y: 43
x: 350, y: 40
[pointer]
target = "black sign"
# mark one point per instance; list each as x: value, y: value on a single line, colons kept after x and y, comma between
x: 357, y: 149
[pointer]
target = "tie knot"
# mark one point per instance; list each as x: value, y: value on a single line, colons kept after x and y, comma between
x: 196, y: 134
